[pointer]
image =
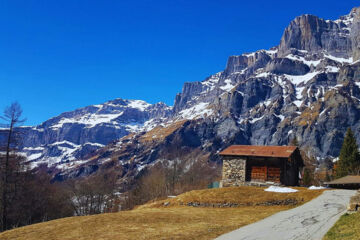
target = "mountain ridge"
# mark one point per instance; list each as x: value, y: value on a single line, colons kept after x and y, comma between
x: 301, y: 88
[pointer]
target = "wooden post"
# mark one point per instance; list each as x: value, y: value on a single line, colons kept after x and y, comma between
x: 266, y: 173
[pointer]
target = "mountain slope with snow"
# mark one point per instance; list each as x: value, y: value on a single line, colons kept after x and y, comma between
x: 65, y: 140
x: 306, y: 87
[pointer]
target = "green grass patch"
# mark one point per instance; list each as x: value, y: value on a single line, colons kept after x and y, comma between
x: 346, y: 228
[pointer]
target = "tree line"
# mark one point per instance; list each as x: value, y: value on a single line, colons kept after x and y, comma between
x: 27, y: 196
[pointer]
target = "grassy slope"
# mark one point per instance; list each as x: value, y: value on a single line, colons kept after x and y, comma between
x: 346, y: 228
x: 155, y: 221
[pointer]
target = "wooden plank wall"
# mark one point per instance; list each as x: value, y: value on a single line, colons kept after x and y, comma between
x: 265, y: 173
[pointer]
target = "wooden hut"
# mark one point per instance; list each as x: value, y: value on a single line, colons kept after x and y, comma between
x: 244, y: 164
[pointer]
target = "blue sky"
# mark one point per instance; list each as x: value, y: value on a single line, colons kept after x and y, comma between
x: 56, y: 56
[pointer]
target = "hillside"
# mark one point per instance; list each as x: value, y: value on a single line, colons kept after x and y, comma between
x: 156, y: 220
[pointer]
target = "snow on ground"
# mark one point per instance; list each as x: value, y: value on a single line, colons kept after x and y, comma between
x: 67, y: 151
x: 99, y: 117
x: 280, y: 116
x: 90, y: 120
x: 33, y: 156
x: 295, y: 79
x: 271, y: 52
x: 256, y: 119
x: 33, y: 148
x: 249, y: 54
x: 298, y: 103
x: 267, y: 102
x: 199, y: 110
x: 63, y: 142
x: 332, y: 69
x: 264, y: 74
x: 139, y: 104
x: 280, y: 189
x: 302, y: 59
x: 316, y: 188
x: 212, y: 81
x: 339, y: 59
x: 228, y: 85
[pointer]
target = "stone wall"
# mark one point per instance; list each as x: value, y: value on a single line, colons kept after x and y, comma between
x: 234, y: 171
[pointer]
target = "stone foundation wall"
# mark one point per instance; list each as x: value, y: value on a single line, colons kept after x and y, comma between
x: 234, y: 171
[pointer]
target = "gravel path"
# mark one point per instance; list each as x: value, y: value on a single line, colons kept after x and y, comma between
x: 309, y: 221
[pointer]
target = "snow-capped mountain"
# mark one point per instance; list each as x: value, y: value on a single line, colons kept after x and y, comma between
x: 65, y: 140
x: 306, y: 87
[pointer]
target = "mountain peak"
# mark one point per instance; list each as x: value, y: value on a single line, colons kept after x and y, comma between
x: 311, y: 33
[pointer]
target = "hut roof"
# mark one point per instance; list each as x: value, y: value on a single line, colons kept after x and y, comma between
x: 350, y: 179
x: 259, y: 151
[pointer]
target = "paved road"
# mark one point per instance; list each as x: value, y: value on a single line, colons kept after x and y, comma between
x: 310, y: 221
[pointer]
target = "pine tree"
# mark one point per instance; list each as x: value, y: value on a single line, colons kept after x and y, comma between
x: 327, y: 177
x: 307, y: 178
x: 12, y: 118
x: 349, y: 159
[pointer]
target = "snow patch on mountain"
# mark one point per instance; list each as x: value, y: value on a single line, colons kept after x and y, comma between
x: 297, y: 79
x: 228, y: 85
x: 197, y: 111
x: 339, y: 59
x: 138, y: 104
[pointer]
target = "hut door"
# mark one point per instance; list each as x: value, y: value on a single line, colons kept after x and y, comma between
x: 259, y: 173
x: 273, y: 174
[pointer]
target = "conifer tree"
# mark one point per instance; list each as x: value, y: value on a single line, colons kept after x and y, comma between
x: 307, y: 178
x: 349, y: 159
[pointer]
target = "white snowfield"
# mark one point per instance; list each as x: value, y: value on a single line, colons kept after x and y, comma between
x: 316, y: 188
x: 310, y: 221
x: 280, y: 189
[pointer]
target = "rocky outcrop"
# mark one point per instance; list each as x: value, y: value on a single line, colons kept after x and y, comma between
x: 313, y: 34
x: 355, y: 33
x: 189, y: 90
x: 251, y: 61
x: 287, y: 66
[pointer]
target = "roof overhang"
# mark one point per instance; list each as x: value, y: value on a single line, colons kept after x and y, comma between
x: 259, y: 151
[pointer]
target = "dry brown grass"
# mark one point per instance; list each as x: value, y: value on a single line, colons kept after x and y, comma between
x: 175, y: 222
x: 311, y: 114
x: 160, y: 133
x: 240, y: 195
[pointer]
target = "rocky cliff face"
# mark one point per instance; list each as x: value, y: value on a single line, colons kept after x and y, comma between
x: 271, y: 96
x: 70, y: 137
x: 306, y: 87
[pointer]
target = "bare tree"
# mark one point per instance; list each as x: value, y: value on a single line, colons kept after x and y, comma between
x: 94, y: 194
x: 11, y: 118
